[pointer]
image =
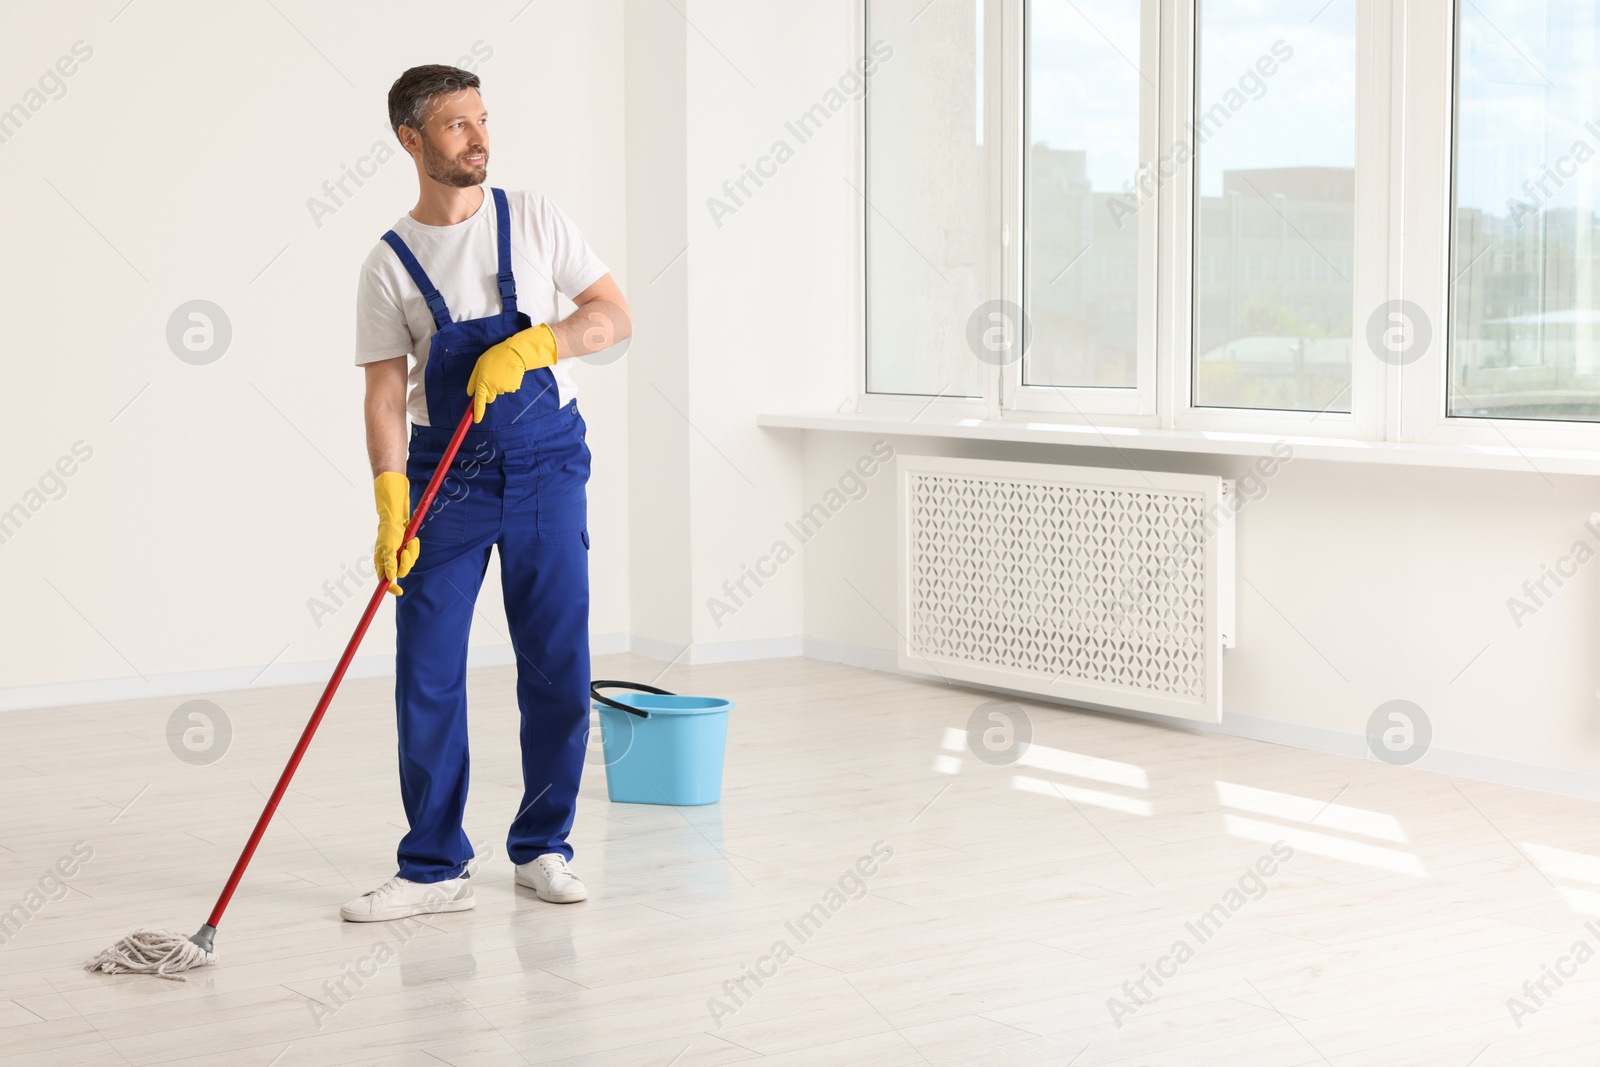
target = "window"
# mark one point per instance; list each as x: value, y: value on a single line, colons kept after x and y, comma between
x: 1346, y: 219
x: 1082, y: 235
x: 1525, y: 309
x: 928, y: 238
x: 1274, y: 140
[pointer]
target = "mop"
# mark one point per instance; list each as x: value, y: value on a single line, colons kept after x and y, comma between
x: 166, y: 954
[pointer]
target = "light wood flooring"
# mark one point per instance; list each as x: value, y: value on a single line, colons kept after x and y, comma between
x: 1017, y: 902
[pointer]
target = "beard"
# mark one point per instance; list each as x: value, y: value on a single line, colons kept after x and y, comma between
x: 446, y: 171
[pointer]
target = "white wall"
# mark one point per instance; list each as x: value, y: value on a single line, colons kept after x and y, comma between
x: 178, y: 165
x: 656, y: 80
x: 193, y: 537
x: 1358, y: 584
x: 738, y: 312
x: 773, y: 297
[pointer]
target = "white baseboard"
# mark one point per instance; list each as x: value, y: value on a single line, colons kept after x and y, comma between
x: 876, y: 659
x: 184, y: 683
x: 373, y: 665
x: 1567, y: 781
x: 665, y: 651
x: 230, y: 679
x: 607, y: 644
x: 739, y: 651
x: 714, y: 651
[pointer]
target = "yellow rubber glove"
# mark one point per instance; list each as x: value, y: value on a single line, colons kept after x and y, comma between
x: 393, y: 492
x: 501, y: 367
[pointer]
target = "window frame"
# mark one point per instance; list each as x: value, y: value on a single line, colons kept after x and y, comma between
x: 1180, y: 412
x: 1138, y: 403
x: 914, y: 406
x: 1433, y: 80
x: 1407, y: 68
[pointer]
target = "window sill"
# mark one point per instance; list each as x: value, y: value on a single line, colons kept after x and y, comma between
x: 1502, y: 457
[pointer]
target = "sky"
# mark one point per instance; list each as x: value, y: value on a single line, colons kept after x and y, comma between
x: 1085, y: 90
x: 1527, y: 86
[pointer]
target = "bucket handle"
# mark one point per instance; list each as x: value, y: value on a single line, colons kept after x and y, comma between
x: 594, y: 691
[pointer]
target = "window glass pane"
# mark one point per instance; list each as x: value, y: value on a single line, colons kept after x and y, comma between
x: 1274, y: 135
x: 1082, y: 240
x: 1525, y: 313
x: 927, y: 245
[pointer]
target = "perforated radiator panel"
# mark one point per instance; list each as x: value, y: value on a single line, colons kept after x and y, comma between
x: 1071, y: 582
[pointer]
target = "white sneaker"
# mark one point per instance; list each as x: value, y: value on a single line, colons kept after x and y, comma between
x: 399, y: 898
x: 551, y: 879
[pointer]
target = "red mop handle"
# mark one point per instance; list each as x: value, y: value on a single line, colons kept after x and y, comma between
x: 338, y: 676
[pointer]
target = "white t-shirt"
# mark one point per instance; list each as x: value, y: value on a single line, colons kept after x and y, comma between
x: 548, y: 256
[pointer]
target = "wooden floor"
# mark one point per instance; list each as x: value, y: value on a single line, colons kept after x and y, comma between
x: 1020, y: 909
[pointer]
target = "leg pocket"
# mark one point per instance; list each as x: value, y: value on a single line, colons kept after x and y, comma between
x: 573, y: 459
x: 563, y: 472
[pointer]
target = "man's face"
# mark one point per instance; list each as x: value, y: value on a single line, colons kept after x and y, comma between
x: 455, y: 139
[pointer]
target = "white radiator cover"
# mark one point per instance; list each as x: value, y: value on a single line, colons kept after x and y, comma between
x: 1106, y: 587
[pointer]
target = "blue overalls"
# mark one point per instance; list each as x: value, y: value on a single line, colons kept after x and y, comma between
x: 517, y: 482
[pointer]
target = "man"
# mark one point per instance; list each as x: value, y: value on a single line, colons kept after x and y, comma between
x: 467, y: 284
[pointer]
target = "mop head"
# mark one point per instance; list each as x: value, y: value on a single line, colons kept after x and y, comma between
x: 158, y: 952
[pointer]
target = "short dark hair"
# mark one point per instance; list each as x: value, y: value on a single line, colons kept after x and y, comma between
x: 410, y: 93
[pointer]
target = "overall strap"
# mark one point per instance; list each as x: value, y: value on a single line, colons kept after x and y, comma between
x: 441, y: 313
x: 508, y: 284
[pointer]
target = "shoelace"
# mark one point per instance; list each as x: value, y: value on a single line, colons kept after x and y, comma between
x: 394, y: 885
x: 386, y: 888
x: 554, y: 865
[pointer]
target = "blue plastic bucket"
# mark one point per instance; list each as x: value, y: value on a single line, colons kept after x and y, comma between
x: 661, y: 747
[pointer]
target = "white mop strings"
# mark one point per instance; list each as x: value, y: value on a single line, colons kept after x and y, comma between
x: 157, y: 952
